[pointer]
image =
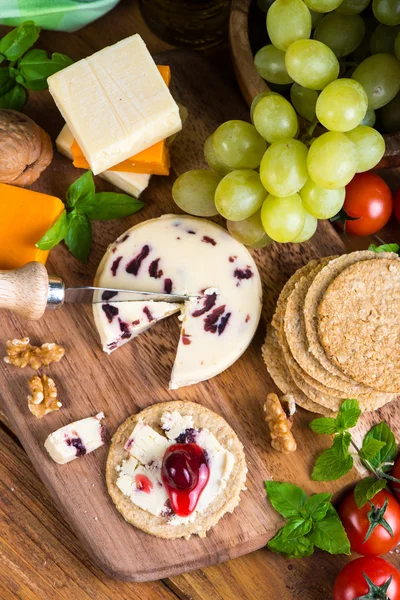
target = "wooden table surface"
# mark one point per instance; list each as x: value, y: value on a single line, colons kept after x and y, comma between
x: 40, y: 557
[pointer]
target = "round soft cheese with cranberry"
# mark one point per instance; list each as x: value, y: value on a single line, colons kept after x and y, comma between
x: 191, y: 256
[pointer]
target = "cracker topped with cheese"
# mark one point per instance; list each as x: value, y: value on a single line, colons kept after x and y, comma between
x: 175, y: 469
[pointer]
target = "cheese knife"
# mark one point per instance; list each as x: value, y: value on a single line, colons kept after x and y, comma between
x: 30, y: 290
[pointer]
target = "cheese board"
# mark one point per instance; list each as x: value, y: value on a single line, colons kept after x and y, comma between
x: 135, y: 377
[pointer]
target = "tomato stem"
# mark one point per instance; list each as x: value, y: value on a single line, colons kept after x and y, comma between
x: 375, y: 592
x: 376, y: 517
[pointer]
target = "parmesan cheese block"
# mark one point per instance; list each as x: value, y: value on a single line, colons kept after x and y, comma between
x: 115, y: 103
x: 191, y: 256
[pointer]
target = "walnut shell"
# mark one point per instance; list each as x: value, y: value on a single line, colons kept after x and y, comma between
x: 25, y: 148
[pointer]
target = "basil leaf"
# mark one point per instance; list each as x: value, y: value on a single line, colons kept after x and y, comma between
x: 55, y: 234
x: 35, y: 67
x: 6, y: 80
x: 366, y: 489
x: 370, y: 448
x: 81, y: 192
x: 286, y: 498
x: 297, y: 548
x: 16, y: 42
x: 317, y: 506
x: 388, y: 452
x: 296, y: 527
x: 334, y: 462
x: 109, y: 205
x: 329, y: 535
x: 384, y: 248
x: 15, y: 98
x: 323, y: 425
x: 348, y: 415
x: 79, y: 235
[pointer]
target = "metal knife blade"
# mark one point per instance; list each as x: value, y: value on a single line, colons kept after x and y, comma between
x: 97, y: 295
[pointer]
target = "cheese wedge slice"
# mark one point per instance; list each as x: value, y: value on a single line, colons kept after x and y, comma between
x: 131, y: 183
x: 116, y: 103
x: 188, y: 255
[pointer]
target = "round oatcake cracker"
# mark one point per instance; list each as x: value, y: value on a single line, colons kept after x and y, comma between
x: 359, y: 323
x: 225, y: 502
x: 278, y: 369
x: 315, y: 294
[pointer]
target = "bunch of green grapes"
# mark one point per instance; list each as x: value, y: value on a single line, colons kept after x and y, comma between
x: 272, y: 179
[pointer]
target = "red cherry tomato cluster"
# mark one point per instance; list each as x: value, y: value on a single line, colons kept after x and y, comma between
x: 372, y: 530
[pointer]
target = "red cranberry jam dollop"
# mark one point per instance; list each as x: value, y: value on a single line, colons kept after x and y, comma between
x: 185, y: 474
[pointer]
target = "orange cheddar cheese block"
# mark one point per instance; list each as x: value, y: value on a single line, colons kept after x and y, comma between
x: 25, y: 218
x: 152, y: 161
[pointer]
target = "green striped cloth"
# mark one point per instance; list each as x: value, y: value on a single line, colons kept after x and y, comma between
x: 63, y: 15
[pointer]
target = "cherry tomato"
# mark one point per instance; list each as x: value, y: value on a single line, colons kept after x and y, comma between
x: 351, y: 582
x: 370, y: 198
x: 396, y: 473
x: 357, y: 522
x: 396, y: 205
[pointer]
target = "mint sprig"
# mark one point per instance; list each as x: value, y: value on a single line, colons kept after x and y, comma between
x: 82, y: 206
x: 24, y: 68
x: 311, y: 521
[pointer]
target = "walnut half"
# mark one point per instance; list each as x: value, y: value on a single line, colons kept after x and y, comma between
x: 280, y: 423
x: 44, y: 396
x: 21, y: 354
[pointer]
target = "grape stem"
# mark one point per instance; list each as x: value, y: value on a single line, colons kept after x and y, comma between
x: 311, y: 128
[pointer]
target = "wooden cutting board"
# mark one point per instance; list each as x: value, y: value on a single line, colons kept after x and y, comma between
x: 137, y: 375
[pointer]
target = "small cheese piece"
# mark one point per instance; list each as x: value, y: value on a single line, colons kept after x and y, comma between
x: 131, y: 183
x: 187, y: 255
x: 145, y: 488
x: 75, y: 440
x: 116, y: 103
x: 174, y: 424
x: 145, y: 444
x: 25, y: 218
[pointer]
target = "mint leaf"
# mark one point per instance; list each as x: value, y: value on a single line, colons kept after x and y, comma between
x: 323, y: 425
x: 6, y: 80
x: 388, y: 452
x: 110, y: 205
x: 15, y: 98
x: 297, y: 548
x: 81, y: 192
x: 79, y: 235
x: 384, y: 248
x: 16, y: 42
x: 329, y: 535
x: 317, y: 506
x: 55, y: 234
x: 334, y: 462
x: 348, y: 415
x: 296, y: 527
x: 366, y: 489
x: 35, y: 67
x: 370, y: 448
x: 286, y: 498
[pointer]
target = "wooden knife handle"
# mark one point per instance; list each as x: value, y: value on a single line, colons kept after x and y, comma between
x: 25, y: 290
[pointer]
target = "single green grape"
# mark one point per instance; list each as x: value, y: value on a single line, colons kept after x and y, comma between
x: 363, y: 50
x: 341, y: 33
x: 342, y: 105
x: 257, y: 99
x: 283, y: 218
x: 379, y: 75
x: 315, y: 18
x: 312, y: 64
x: 309, y: 228
x: 332, y: 160
x: 211, y: 158
x: 288, y: 21
x: 387, y: 11
x: 304, y: 101
x: 370, y: 146
x: 239, y: 194
x: 270, y: 65
x: 322, y: 6
x: 238, y: 145
x: 283, y: 169
x: 249, y: 231
x: 194, y: 192
x: 397, y: 46
x: 275, y: 119
x: 321, y: 202
x: 352, y: 7
x: 264, y: 241
x: 369, y: 119
x: 390, y: 115
x: 383, y: 40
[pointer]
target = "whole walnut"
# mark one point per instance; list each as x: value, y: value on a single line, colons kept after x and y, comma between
x: 25, y: 148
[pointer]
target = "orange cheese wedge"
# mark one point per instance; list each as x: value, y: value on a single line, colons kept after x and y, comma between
x: 153, y: 161
x: 25, y: 218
